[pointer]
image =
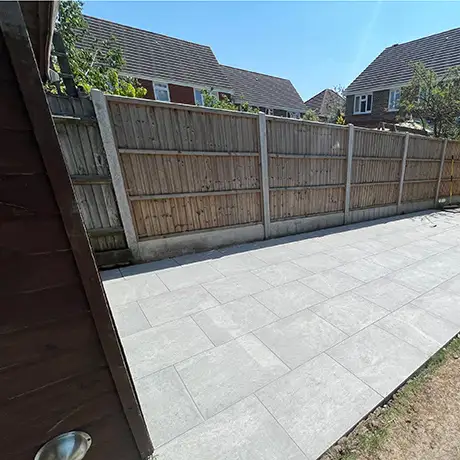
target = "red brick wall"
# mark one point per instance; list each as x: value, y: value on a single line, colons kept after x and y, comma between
x: 182, y: 94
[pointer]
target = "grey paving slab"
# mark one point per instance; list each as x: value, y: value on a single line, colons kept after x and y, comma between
x: 125, y: 290
x: 235, y: 287
x: 289, y: 298
x: 275, y: 254
x: 349, y: 253
x: 107, y: 275
x: 318, y: 263
x: 446, y: 263
x: 299, y: 337
x: 378, y: 358
x: 188, y: 275
x: 282, y: 273
x: 308, y: 246
x: 317, y: 403
x: 452, y: 285
x: 233, y: 264
x: 370, y: 246
x: 394, y: 239
x: 244, y: 431
x: 421, y: 329
x: 443, y: 302
x: 387, y: 293
x: 187, y: 259
x: 391, y: 259
x: 223, y: 376
x: 159, y: 347
x: 130, y: 319
x: 167, y: 407
x: 422, y: 249
x: 234, y: 319
x: 149, y: 267
x: 349, y: 312
x: 331, y: 283
x: 417, y: 279
x: 176, y: 304
x: 364, y: 270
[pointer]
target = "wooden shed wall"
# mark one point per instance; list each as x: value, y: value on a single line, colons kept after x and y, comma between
x: 54, y: 376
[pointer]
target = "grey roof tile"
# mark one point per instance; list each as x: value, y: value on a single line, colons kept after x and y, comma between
x: 152, y: 55
x: 325, y: 101
x: 262, y: 90
x: 392, y: 67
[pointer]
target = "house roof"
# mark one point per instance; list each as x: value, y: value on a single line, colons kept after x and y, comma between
x: 151, y: 55
x: 325, y: 101
x: 262, y: 90
x: 392, y: 67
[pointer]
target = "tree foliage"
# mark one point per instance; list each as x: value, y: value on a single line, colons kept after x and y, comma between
x: 433, y: 99
x: 99, y: 65
x: 225, y: 103
x: 310, y: 115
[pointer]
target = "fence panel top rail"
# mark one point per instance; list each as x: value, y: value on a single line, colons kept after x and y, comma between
x: 173, y: 127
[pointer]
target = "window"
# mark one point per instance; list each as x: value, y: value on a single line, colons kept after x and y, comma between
x: 199, y: 100
x: 363, y: 103
x: 294, y: 115
x: 215, y: 94
x: 393, y: 100
x: 161, y: 92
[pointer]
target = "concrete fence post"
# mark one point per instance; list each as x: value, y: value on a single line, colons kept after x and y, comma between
x: 403, y: 170
x: 103, y: 119
x: 265, y: 185
x: 441, y: 169
x: 351, y: 144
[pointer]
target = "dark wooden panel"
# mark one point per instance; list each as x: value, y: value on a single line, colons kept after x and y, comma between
x: 50, y: 410
x: 61, y: 367
x: 15, y: 235
x: 25, y: 195
x: 21, y: 310
x: 37, y: 272
x: 15, y: 157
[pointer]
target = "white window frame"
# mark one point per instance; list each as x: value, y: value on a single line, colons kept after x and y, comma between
x: 215, y: 93
x: 295, y: 115
x: 195, y: 91
x: 361, y: 96
x: 164, y: 86
x: 393, y: 90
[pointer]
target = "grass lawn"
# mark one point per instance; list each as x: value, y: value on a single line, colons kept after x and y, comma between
x: 420, y: 422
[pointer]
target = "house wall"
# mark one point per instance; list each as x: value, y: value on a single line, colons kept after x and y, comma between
x: 378, y: 114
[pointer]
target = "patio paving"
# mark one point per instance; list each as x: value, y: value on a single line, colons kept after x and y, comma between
x: 273, y: 350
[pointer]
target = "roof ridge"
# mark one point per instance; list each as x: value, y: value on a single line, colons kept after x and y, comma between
x: 258, y: 73
x: 422, y: 38
x: 145, y: 31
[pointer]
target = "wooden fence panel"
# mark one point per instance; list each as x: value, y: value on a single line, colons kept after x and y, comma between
x: 86, y: 162
x: 370, y: 143
x: 298, y: 137
x: 187, y: 168
x: 424, y: 147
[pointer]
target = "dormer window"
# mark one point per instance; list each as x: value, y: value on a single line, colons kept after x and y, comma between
x: 363, y: 103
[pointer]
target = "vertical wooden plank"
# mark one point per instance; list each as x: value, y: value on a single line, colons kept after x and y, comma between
x: 403, y: 169
x: 351, y: 138
x: 265, y: 190
x: 441, y: 168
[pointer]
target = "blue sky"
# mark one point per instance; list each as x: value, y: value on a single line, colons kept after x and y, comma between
x: 316, y: 45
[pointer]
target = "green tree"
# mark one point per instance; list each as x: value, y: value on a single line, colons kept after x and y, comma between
x: 99, y: 65
x: 433, y: 99
x: 310, y: 115
x: 225, y: 103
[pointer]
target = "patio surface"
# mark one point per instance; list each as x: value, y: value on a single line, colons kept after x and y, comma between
x: 273, y: 350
